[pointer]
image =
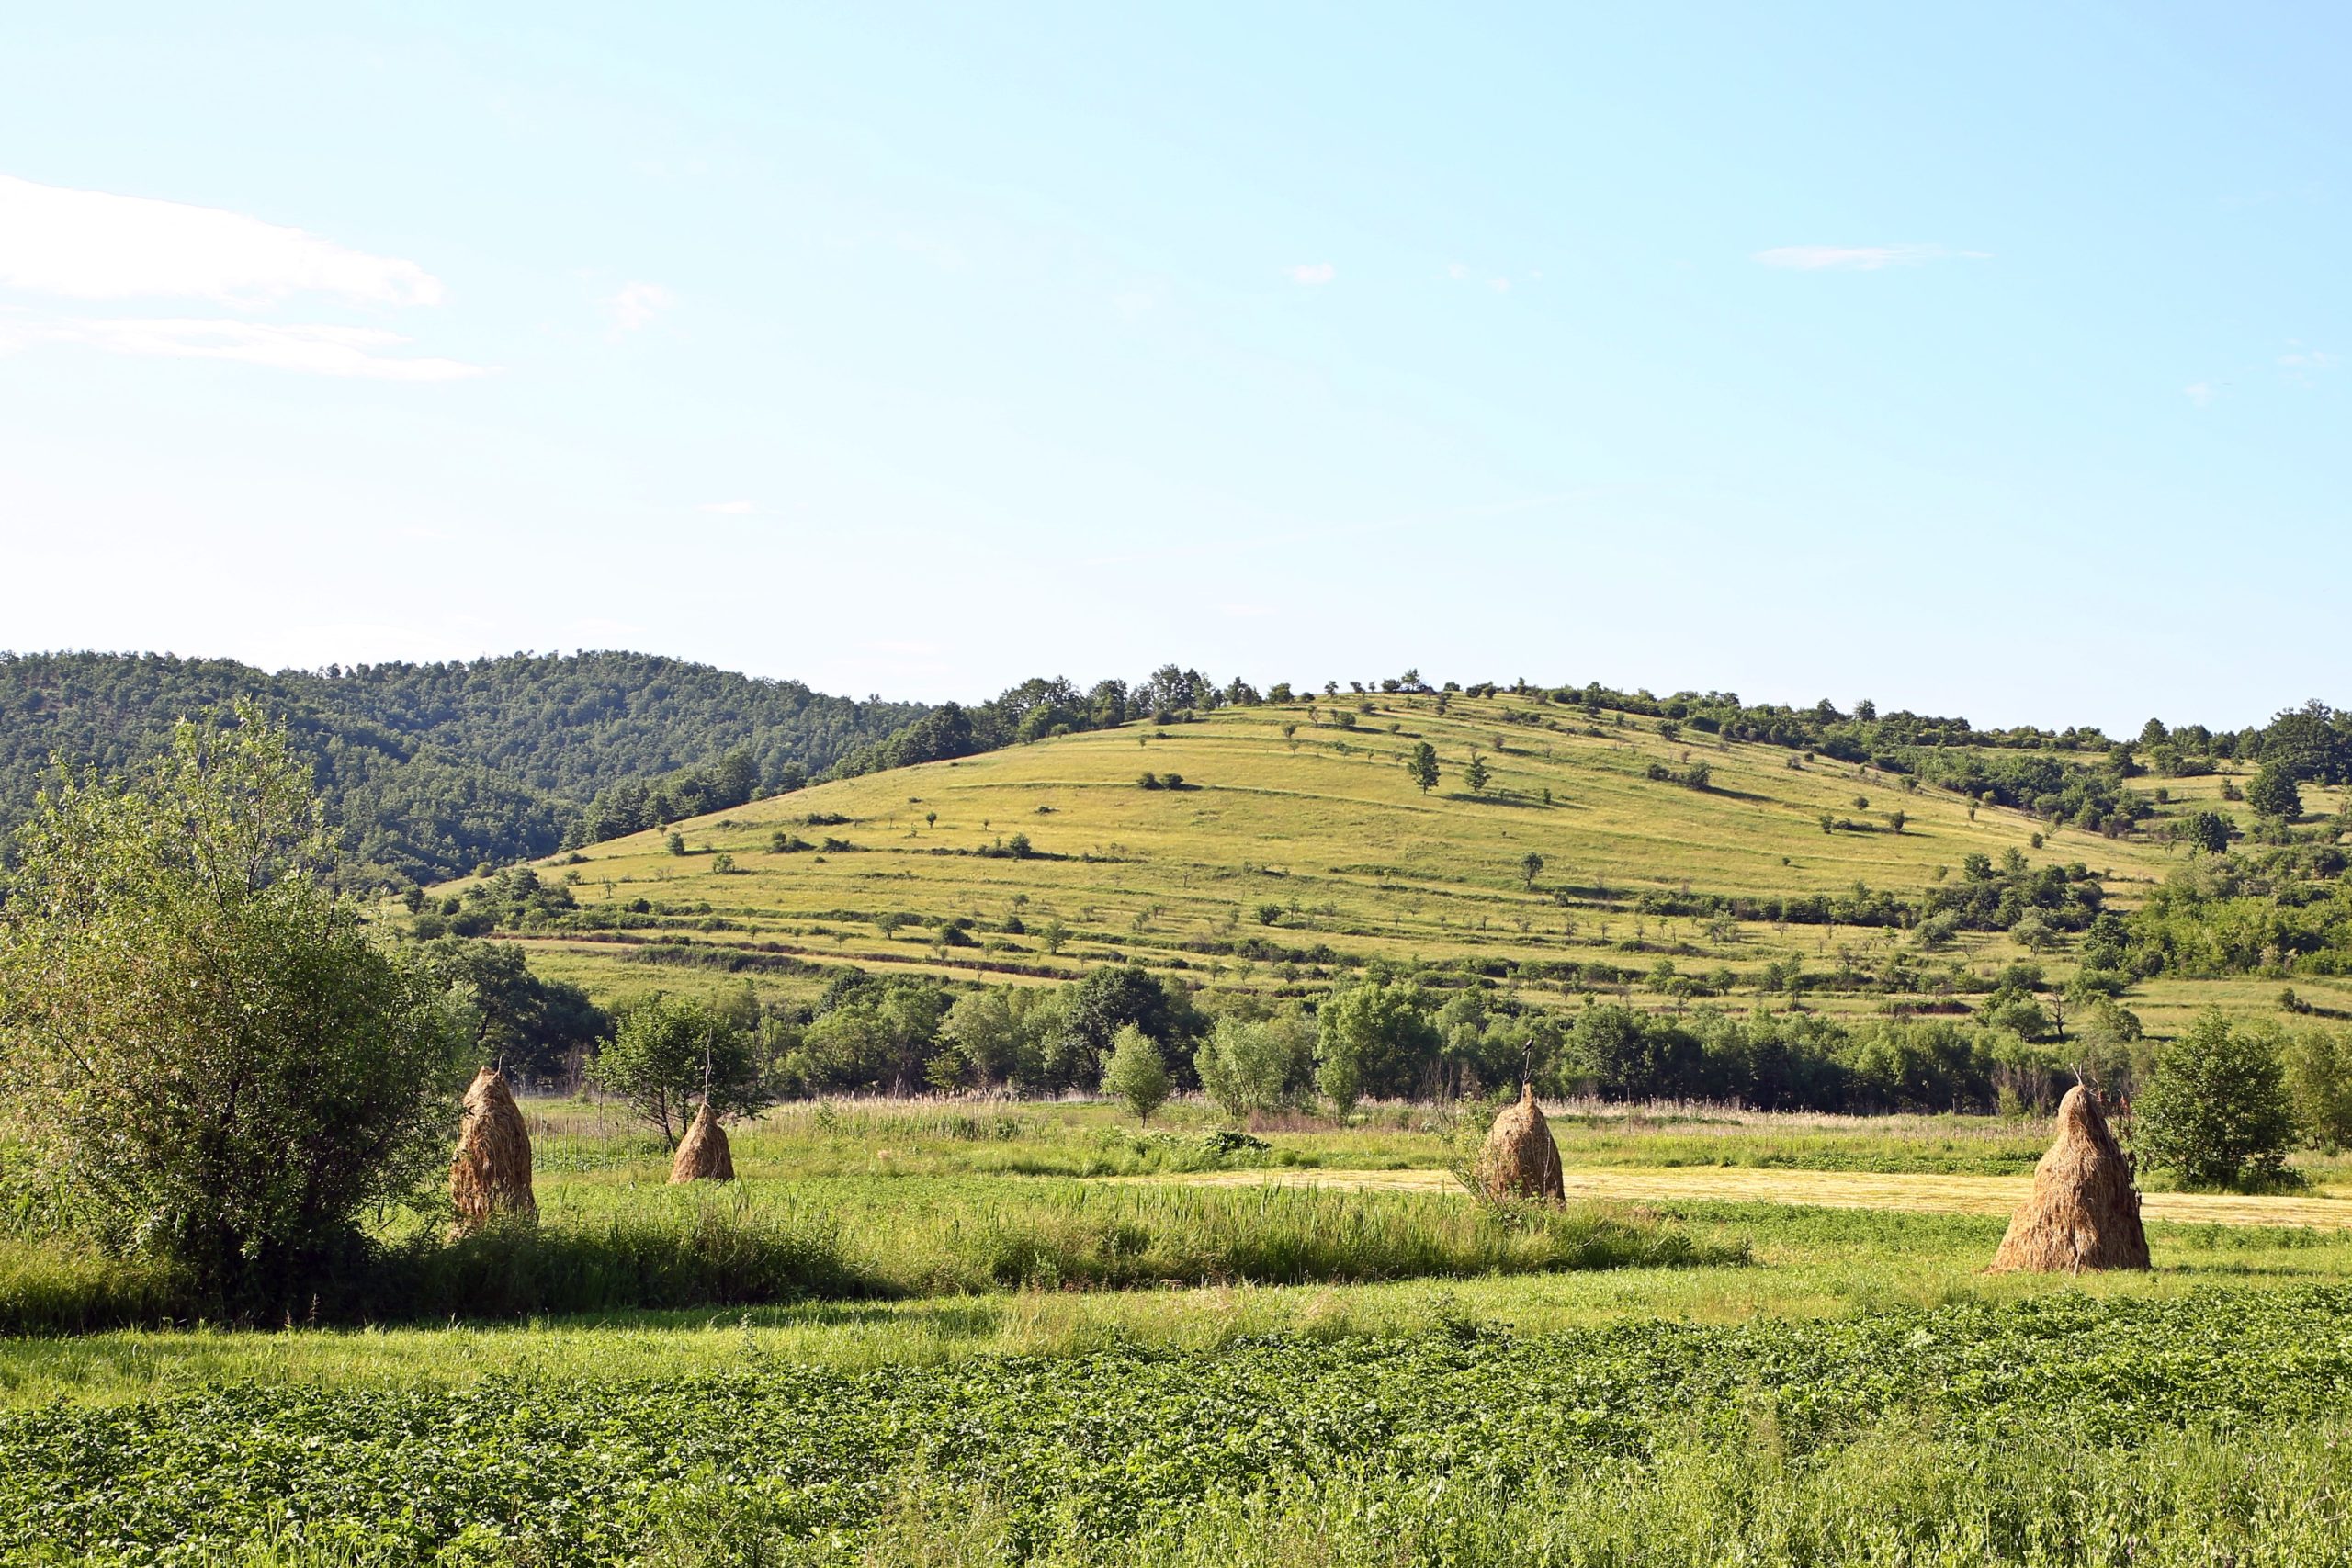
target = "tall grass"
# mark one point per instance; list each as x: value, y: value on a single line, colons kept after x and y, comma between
x: 600, y: 1249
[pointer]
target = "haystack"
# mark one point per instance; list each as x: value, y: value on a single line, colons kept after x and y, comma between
x: 1519, y: 1160
x: 492, y: 1175
x: 2085, y: 1212
x: 703, y: 1155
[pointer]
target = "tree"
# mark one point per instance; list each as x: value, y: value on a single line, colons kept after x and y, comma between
x: 1422, y: 765
x: 1373, y: 1038
x: 1476, y: 774
x: 670, y: 1053
x: 508, y: 1017
x: 676, y: 843
x: 2318, y: 1065
x: 2208, y: 830
x: 1135, y: 1071
x: 198, y: 1037
x: 1250, y: 1065
x: 2273, y: 792
x: 1053, y: 936
x: 2217, y: 1111
x: 1531, y: 866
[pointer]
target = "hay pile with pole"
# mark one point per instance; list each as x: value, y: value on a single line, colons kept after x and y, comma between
x: 703, y: 1155
x: 492, y: 1175
x: 1519, y: 1159
x: 2084, y: 1211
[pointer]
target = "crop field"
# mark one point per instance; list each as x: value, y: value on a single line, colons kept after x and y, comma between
x: 945, y: 1332
x: 1296, y: 850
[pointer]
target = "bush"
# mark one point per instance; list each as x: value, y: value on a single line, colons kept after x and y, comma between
x: 220, y: 1065
x: 2217, y: 1112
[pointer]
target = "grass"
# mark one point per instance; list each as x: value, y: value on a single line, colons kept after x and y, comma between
x: 1324, y: 830
x: 894, y: 1342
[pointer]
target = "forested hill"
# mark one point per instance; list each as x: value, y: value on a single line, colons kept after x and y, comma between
x: 429, y: 770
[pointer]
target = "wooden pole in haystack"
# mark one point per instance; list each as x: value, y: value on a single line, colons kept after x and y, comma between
x: 2084, y: 1211
x: 492, y: 1175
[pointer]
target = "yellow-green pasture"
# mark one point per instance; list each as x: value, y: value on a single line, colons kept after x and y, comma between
x: 1303, y: 835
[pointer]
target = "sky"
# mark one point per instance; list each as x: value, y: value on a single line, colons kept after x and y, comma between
x: 1980, y: 360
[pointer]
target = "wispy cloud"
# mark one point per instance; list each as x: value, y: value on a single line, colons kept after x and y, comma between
x: 318, y: 350
x: 1312, y: 273
x: 87, y: 245
x: 1458, y: 271
x: 1861, y: 258
x: 636, y: 304
x: 728, y: 508
x: 2308, y: 359
x: 2198, y: 393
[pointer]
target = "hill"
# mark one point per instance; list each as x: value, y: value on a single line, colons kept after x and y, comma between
x: 1272, y: 847
x: 430, y: 770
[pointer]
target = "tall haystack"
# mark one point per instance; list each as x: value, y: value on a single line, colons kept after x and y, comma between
x: 492, y: 1175
x: 2085, y: 1212
x: 1519, y: 1160
x: 703, y: 1155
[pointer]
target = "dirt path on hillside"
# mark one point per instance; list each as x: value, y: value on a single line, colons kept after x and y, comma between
x: 1820, y: 1189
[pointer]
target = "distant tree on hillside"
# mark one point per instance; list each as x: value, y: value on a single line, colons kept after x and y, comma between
x: 1531, y: 866
x: 1422, y: 764
x: 1476, y: 774
x: 2273, y: 792
x: 668, y: 1053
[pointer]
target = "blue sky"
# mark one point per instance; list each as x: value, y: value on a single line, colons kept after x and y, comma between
x: 1985, y: 361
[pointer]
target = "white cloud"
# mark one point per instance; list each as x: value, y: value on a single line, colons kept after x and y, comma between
x: 1500, y: 285
x: 2308, y: 359
x: 1458, y: 271
x: 1860, y: 258
x: 636, y: 304
x: 88, y: 244
x: 728, y: 508
x: 319, y: 350
x: 1312, y: 273
x: 2197, y: 392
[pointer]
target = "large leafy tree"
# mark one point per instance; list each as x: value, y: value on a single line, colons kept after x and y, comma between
x: 2218, y: 1112
x: 215, y: 1062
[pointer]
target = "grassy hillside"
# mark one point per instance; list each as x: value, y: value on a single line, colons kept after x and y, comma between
x: 1297, y: 849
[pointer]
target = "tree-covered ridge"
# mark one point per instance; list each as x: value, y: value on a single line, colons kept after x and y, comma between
x: 429, y: 770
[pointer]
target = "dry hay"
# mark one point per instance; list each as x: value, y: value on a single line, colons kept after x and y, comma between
x: 703, y: 1155
x: 492, y: 1175
x: 1519, y: 1159
x: 2084, y: 1211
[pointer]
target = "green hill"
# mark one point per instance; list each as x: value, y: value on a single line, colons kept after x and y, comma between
x: 430, y: 770
x: 1287, y: 845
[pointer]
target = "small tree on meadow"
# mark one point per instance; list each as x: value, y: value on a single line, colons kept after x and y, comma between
x: 1531, y: 866
x: 1422, y: 765
x: 1476, y: 774
x: 2217, y: 1112
x: 668, y: 1054
x: 1136, y: 1073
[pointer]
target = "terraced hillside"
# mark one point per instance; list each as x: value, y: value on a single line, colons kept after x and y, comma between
x: 1289, y: 843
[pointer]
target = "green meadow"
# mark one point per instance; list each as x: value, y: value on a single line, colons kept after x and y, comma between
x: 1297, y: 850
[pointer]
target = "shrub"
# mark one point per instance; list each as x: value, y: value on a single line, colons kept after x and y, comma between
x: 219, y: 1066
x: 2318, y: 1065
x: 2217, y: 1112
